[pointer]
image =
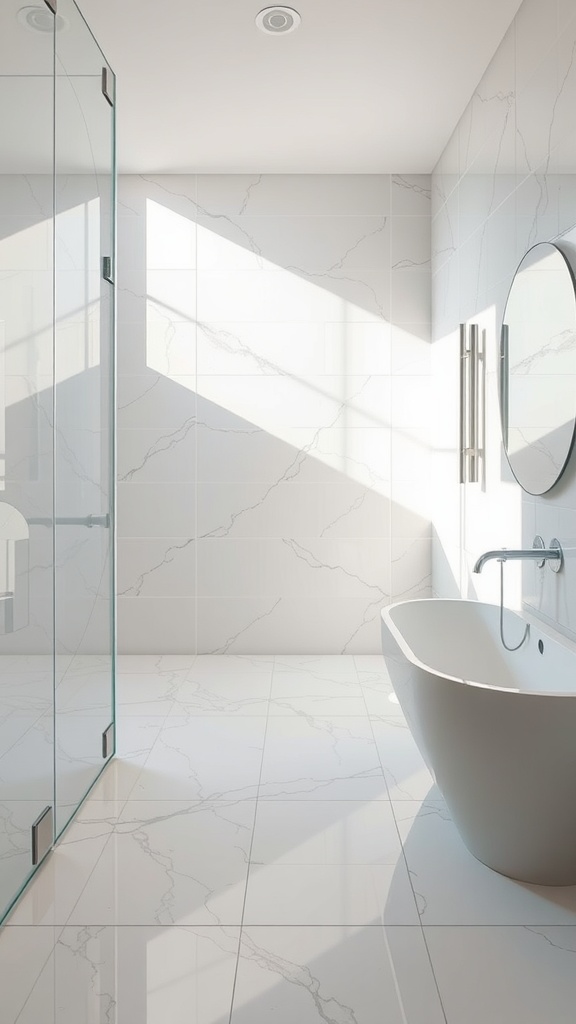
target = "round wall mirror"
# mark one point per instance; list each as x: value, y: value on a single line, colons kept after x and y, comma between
x: 538, y: 368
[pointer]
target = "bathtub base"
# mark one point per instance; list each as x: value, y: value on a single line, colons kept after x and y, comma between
x: 503, y: 756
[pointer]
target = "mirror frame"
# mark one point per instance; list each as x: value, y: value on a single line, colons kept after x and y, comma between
x: 503, y: 373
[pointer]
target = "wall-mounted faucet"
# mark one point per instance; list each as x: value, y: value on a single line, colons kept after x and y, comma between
x: 537, y: 553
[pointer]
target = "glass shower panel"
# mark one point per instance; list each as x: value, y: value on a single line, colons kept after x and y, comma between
x: 84, y: 465
x: 26, y: 442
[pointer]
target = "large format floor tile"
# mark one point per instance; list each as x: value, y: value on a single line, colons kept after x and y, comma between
x: 325, y: 832
x: 171, y: 863
x: 87, y: 975
x: 453, y: 887
x: 330, y: 894
x: 505, y: 975
x: 406, y: 773
x: 343, y: 975
x: 205, y: 758
x: 273, y: 822
x: 321, y: 758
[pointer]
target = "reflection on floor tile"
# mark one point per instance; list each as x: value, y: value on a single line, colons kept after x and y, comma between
x: 347, y: 975
x: 453, y: 887
x: 505, y: 975
x: 272, y: 817
x: 89, y: 974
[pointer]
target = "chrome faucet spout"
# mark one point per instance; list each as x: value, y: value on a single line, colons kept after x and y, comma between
x: 536, y: 554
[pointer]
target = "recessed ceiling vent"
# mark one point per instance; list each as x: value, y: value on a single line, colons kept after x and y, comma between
x: 40, y: 19
x: 278, y: 20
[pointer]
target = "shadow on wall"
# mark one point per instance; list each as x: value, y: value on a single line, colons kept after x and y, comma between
x: 265, y: 390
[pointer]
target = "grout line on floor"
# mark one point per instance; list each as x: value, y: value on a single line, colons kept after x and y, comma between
x: 252, y: 843
x: 405, y: 862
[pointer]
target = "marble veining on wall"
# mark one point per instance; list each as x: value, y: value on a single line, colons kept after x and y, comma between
x: 506, y: 181
x: 274, y: 361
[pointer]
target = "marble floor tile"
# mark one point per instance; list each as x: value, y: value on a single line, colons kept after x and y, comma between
x: 88, y: 975
x: 26, y: 982
x: 317, y: 707
x: 315, y: 676
x: 325, y: 832
x: 321, y: 759
x: 171, y: 863
x: 62, y: 877
x: 147, y: 693
x: 154, y: 664
x: 135, y: 738
x: 407, y: 776
x: 345, y: 975
x: 453, y: 888
x: 330, y: 894
x: 204, y: 758
x: 505, y: 975
x: 228, y: 685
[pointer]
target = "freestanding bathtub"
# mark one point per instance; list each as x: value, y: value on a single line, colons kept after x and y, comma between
x: 497, y: 729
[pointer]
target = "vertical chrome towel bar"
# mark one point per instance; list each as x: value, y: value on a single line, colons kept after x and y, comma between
x: 469, y: 403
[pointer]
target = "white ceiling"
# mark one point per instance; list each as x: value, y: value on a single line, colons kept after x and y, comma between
x: 361, y: 86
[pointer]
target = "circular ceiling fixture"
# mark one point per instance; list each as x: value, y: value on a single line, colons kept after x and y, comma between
x: 40, y: 19
x: 278, y: 20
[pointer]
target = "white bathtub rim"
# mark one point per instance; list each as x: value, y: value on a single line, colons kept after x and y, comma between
x: 531, y: 620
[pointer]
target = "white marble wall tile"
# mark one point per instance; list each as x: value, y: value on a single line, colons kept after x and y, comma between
x: 294, y: 283
x: 411, y: 195
x: 283, y: 295
x: 157, y: 567
x: 410, y: 296
x: 157, y: 625
x: 240, y: 451
x: 291, y: 566
x: 339, y: 508
x: 276, y: 623
x: 317, y: 402
x: 294, y: 244
x: 536, y: 29
x: 411, y: 567
x: 310, y: 194
x: 489, y: 108
x: 154, y: 400
x: 411, y: 350
x: 535, y: 115
x: 410, y: 243
x: 147, y: 454
x: 144, y: 511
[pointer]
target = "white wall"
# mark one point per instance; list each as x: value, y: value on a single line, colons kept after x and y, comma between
x: 506, y: 180
x: 274, y: 371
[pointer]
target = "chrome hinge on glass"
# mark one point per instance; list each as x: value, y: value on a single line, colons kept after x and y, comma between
x: 108, y: 741
x: 107, y: 269
x: 107, y: 80
x: 42, y: 835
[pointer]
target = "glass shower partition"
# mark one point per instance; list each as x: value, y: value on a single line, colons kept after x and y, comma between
x: 57, y: 198
x: 84, y: 411
x: 26, y: 445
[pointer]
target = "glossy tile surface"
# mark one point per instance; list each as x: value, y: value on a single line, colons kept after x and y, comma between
x: 291, y: 864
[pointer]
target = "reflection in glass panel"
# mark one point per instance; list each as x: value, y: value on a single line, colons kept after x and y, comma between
x: 83, y: 376
x: 26, y: 443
